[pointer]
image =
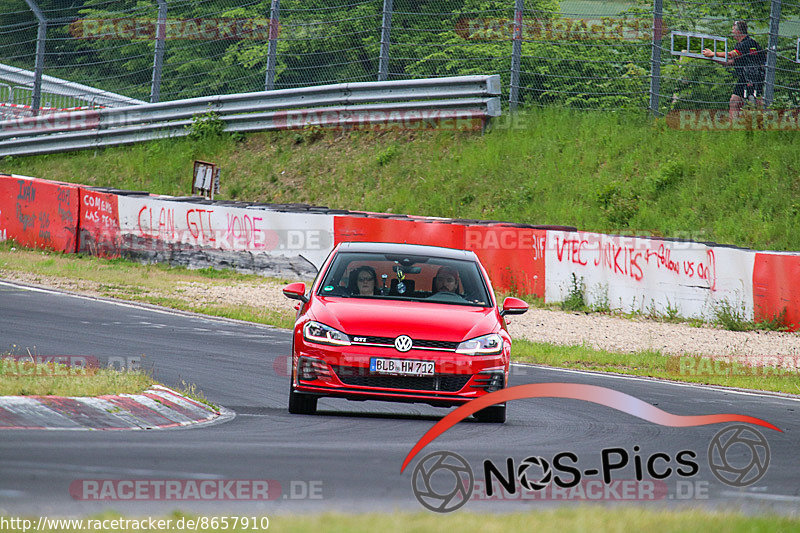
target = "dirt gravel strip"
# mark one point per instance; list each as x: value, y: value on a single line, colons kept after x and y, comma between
x: 606, y: 332
x: 157, y: 408
x: 617, y: 334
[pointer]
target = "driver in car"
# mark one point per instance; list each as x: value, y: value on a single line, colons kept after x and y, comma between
x: 446, y: 280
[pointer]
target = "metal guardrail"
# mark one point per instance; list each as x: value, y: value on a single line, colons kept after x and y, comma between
x: 345, y: 105
x: 64, y: 88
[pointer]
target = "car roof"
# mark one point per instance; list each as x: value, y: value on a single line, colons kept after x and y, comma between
x: 409, y: 249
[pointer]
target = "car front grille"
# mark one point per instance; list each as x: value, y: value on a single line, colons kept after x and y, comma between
x: 418, y: 343
x: 360, y: 377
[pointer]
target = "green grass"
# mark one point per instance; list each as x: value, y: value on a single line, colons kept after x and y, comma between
x: 692, y: 369
x: 24, y: 378
x: 616, y: 173
x: 561, y: 520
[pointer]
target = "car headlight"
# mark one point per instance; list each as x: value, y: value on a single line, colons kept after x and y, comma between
x: 317, y: 332
x: 485, y: 345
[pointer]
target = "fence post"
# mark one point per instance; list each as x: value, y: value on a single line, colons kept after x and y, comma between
x: 655, y: 56
x: 272, y: 49
x: 158, y: 58
x: 516, y: 55
x: 386, y: 36
x: 772, y: 52
x: 41, y: 38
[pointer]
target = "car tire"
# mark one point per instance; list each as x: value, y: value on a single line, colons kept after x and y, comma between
x: 302, y: 404
x: 495, y: 414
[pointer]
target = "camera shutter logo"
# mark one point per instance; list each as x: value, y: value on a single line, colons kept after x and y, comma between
x: 442, y: 482
x: 403, y: 343
x: 526, y: 482
x: 738, y: 456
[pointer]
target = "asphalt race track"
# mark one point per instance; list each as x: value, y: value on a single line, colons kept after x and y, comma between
x: 348, y: 457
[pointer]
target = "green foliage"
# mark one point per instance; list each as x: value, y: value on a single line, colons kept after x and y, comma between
x: 619, y: 203
x: 589, y: 67
x: 385, y: 156
x: 206, y: 126
x: 668, y: 175
x: 733, y: 317
x: 575, y: 300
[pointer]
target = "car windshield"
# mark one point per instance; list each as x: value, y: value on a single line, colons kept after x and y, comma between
x: 405, y: 277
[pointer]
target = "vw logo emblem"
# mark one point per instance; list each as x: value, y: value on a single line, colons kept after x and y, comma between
x: 403, y: 343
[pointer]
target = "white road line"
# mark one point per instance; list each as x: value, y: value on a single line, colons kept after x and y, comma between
x: 138, y: 307
x: 757, y: 496
x: 106, y: 470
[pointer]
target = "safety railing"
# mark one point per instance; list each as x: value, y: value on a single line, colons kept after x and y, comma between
x: 456, y: 102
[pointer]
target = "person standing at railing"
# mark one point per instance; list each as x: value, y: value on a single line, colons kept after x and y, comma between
x: 747, y: 59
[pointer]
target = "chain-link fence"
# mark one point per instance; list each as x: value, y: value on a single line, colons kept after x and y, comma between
x: 587, y: 54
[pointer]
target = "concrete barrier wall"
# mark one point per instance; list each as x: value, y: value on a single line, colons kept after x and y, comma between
x: 98, y: 229
x: 637, y: 274
x: 200, y: 234
x: 39, y: 213
x: 776, y: 287
x: 627, y: 273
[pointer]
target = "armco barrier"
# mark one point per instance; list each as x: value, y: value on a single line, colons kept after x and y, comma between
x: 776, y: 287
x: 645, y: 274
x: 39, y: 213
x: 459, y: 102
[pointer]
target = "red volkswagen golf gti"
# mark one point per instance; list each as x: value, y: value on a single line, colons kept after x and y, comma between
x: 400, y: 322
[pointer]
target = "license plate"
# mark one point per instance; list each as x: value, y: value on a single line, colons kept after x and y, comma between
x: 401, y: 367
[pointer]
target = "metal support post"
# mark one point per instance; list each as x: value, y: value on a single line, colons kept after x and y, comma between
x: 158, y: 58
x: 272, y: 49
x: 386, y: 35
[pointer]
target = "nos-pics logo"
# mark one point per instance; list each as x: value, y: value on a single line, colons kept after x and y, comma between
x: 443, y: 481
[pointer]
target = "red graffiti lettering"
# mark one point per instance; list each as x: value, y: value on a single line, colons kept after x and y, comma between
x: 574, y: 248
x: 199, y: 224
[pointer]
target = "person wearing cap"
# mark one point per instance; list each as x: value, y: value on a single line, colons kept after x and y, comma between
x: 747, y: 59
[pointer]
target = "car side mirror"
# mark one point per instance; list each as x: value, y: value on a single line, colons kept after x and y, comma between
x: 296, y: 291
x: 513, y: 306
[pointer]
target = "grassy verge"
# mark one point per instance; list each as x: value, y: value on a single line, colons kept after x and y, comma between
x: 579, y: 519
x: 21, y: 377
x: 724, y: 371
x: 615, y: 173
x: 156, y: 284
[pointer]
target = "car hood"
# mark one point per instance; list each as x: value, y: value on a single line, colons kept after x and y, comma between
x: 418, y: 320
